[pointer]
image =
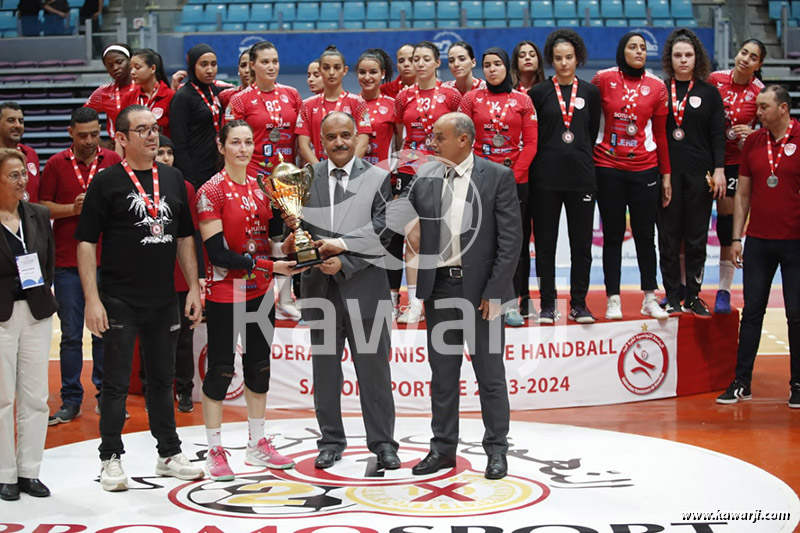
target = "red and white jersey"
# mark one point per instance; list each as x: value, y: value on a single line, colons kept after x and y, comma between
x: 32, y: 188
x: 740, y: 107
x: 393, y: 88
x: 381, y: 117
x: 507, y: 116
x: 477, y: 83
x: 223, y: 199
x: 226, y: 95
x: 191, y: 195
x: 111, y: 99
x: 640, y: 101
x: 265, y: 111
x: 158, y: 103
x: 418, y: 132
x: 316, y: 107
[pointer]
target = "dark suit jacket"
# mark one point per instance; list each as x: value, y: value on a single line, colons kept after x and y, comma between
x: 360, y: 222
x: 39, y: 238
x: 491, y: 246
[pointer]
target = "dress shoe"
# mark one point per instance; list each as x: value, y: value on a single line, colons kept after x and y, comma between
x: 9, y: 491
x: 34, y: 487
x: 497, y: 466
x: 433, y: 462
x: 326, y: 458
x: 388, y: 459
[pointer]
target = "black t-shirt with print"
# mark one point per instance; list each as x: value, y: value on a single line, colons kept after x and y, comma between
x: 136, y: 266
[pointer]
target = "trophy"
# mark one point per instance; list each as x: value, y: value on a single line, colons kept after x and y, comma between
x: 289, y: 188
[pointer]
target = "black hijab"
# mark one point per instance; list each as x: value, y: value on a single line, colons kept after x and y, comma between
x: 621, y: 63
x: 192, y: 57
x: 506, y: 86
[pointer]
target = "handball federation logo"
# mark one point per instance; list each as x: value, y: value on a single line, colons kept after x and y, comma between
x: 643, y: 363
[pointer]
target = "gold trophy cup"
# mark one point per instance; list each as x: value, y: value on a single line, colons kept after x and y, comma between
x: 289, y: 188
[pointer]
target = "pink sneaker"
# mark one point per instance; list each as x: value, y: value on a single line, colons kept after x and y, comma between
x: 217, y: 464
x: 265, y: 454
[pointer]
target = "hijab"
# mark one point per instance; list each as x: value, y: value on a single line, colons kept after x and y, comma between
x: 506, y: 86
x: 621, y: 62
x: 192, y: 57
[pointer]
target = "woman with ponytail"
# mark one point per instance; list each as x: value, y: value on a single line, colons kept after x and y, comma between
x: 147, y: 72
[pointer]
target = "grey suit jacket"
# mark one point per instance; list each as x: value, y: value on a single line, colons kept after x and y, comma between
x: 360, y: 222
x: 490, y: 246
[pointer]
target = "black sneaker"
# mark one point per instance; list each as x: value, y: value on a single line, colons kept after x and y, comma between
x: 673, y: 309
x: 794, y: 398
x: 548, y: 315
x: 697, y: 307
x: 739, y: 391
x: 66, y: 413
x: 581, y: 315
x: 185, y: 404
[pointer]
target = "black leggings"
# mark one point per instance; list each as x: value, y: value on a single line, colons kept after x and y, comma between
x: 523, y: 273
x: 639, y: 192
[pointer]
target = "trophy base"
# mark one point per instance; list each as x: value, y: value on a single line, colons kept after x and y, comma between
x: 306, y: 258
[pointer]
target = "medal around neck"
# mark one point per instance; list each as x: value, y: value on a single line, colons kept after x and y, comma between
x: 289, y: 189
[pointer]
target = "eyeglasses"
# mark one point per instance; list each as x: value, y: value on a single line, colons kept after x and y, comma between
x: 16, y: 176
x: 145, y: 131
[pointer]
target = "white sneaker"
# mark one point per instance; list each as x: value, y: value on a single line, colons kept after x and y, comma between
x: 178, y: 466
x: 614, y: 308
x: 650, y: 307
x: 287, y: 311
x: 412, y: 313
x: 112, y: 477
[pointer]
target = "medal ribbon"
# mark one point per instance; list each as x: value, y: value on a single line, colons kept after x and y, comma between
x: 427, y: 119
x: 497, y: 121
x: 152, y: 206
x: 338, y: 105
x: 250, y: 207
x: 214, y: 108
x: 276, y: 119
x: 118, y: 104
x: 151, y: 98
x: 631, y: 96
x: 773, y: 167
x: 566, y: 115
x: 678, y: 110
x: 92, y: 171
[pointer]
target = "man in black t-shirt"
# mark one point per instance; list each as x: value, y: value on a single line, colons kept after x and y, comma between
x: 140, y: 209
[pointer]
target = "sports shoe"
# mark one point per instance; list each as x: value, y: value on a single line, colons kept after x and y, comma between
x: 614, y: 308
x: 127, y: 414
x: 395, y: 305
x: 697, y: 307
x: 217, y: 464
x: 265, y: 454
x: 581, y: 315
x: 287, y: 311
x: 526, y: 308
x: 185, y: 404
x: 673, y: 309
x: 178, y: 466
x: 682, y: 291
x: 794, y: 398
x: 651, y: 308
x: 514, y: 319
x: 66, y: 413
x: 411, y: 314
x: 112, y: 477
x: 738, y: 391
x: 722, y: 305
x: 548, y: 315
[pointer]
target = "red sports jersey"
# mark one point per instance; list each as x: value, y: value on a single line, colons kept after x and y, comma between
x: 60, y: 185
x: 774, y: 211
x: 513, y: 118
x: 381, y: 117
x: 264, y: 111
x: 740, y: 107
x: 223, y: 199
x: 32, y: 187
x: 393, y: 88
x: 158, y: 103
x: 418, y: 132
x: 643, y: 101
x: 180, y: 280
x: 315, y: 108
x: 111, y: 99
x: 477, y: 83
x: 226, y: 95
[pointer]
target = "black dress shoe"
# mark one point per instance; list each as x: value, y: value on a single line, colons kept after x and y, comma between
x: 497, y: 466
x: 388, y: 459
x: 34, y: 487
x: 326, y: 458
x: 9, y: 492
x: 433, y: 462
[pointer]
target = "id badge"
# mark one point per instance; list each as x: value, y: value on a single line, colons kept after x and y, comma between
x: 30, y: 273
x: 267, y: 150
x: 486, y: 149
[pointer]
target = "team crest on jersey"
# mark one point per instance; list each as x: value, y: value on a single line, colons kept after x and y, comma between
x: 284, y: 99
x: 645, y: 90
x: 749, y: 95
x: 789, y: 149
x: 441, y: 98
x: 347, y: 109
x: 580, y: 103
x: 512, y: 103
x: 383, y: 110
x: 32, y: 169
x: 695, y: 101
x: 204, y: 204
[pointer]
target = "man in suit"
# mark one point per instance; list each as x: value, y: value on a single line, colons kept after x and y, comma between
x: 470, y: 239
x: 348, y: 200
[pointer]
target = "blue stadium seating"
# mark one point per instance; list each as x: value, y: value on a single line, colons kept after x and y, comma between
x: 307, y: 12
x: 303, y: 26
x: 238, y: 13
x: 257, y: 26
x: 659, y: 9
x: 663, y: 23
x: 328, y: 25
x: 544, y: 23
x: 592, y: 5
x: 238, y: 1
x: 396, y: 24
x: 541, y: 9
x: 185, y: 28
x: 12, y: 4
x: 207, y: 27
x: 635, y: 9
x: 475, y: 23
x: 280, y: 26
x: 447, y: 10
x: 192, y: 2
x: 636, y: 23
x: 593, y: 23
x: 72, y: 3
x: 494, y: 23
x: 211, y: 11
x: 516, y: 9
x: 611, y: 8
x: 474, y: 9
x: 692, y: 23
x: 287, y: 9
x: 517, y: 23
x: 397, y: 7
x: 494, y: 10
x: 354, y: 10
x: 232, y: 26
x: 378, y: 11
x: 567, y: 23
x: 353, y: 25
x: 424, y: 24
x: 330, y: 11
x: 424, y: 10
x: 565, y: 9
x: 375, y: 24
x: 447, y: 23
x: 261, y: 13
x: 795, y: 11
x: 682, y: 9
x: 616, y: 23
x: 192, y: 14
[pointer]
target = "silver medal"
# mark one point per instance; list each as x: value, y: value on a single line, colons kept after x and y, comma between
x: 730, y: 134
x: 678, y: 134
x: 498, y: 140
x: 156, y: 229
x: 568, y: 137
x: 631, y: 129
x: 275, y: 135
x: 772, y: 181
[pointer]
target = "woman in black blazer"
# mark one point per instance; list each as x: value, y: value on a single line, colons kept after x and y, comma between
x: 27, y: 304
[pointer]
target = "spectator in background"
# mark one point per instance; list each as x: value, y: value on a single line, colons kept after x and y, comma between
x: 92, y: 10
x: 28, y: 14
x: 65, y: 179
x: 12, y: 127
x: 56, y: 17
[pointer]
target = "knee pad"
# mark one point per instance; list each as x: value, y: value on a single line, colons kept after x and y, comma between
x: 725, y: 229
x: 217, y: 381
x: 256, y: 376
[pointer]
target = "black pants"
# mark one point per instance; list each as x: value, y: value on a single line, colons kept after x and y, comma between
x: 684, y: 220
x: 546, y: 209
x: 639, y: 192
x: 523, y: 273
x: 158, y: 332
x: 395, y: 246
x: 485, y: 343
x: 761, y: 259
x: 184, y: 354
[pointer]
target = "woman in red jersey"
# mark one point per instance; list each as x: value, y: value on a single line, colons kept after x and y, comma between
x: 374, y: 66
x: 417, y: 108
x: 112, y: 97
x: 632, y: 166
x: 461, y: 60
x: 147, y: 72
x: 333, y: 98
x: 314, y: 77
x: 527, y: 66
x: 234, y: 217
x: 738, y: 88
x: 406, y: 76
x: 243, y: 69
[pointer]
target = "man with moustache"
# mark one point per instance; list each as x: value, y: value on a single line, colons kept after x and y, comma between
x: 12, y: 127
